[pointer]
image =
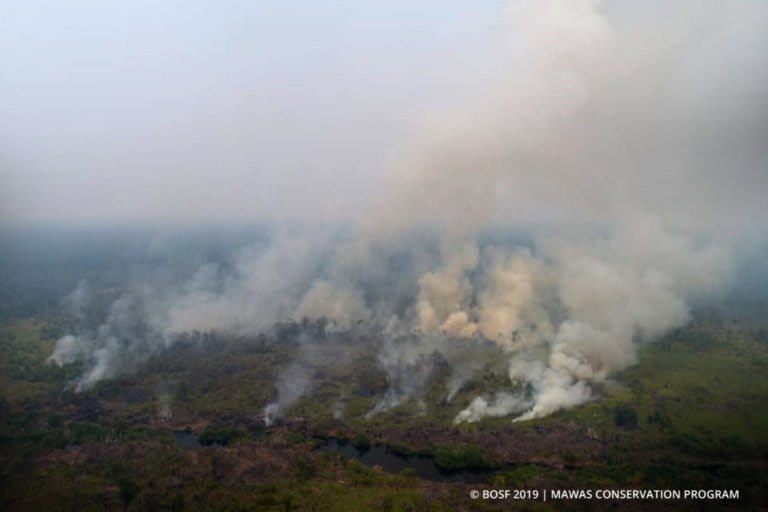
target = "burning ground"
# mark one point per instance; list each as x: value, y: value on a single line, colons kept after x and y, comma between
x: 687, y: 415
x: 590, y: 191
x: 550, y: 283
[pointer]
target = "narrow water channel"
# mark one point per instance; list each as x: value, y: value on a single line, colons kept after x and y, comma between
x: 185, y: 439
x: 422, y: 466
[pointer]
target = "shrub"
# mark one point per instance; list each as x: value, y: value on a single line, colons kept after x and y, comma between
x: 401, y: 449
x: 219, y: 435
x: 625, y: 417
x: 128, y: 490
x: 362, y: 442
x: 659, y: 418
x: 82, y: 432
x: 462, y: 457
x: 305, y: 469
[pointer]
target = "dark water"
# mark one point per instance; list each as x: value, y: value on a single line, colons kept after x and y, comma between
x: 423, y: 466
x: 185, y: 439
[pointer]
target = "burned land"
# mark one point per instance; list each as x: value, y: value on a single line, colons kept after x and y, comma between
x: 348, y: 256
x: 689, y: 415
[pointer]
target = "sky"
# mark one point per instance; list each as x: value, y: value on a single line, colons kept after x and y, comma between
x: 187, y: 110
x: 646, y: 119
x: 263, y: 110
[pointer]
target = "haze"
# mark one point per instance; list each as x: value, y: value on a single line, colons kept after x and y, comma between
x: 238, y: 110
x: 193, y: 111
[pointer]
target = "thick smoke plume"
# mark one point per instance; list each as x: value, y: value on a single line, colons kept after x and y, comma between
x: 626, y: 146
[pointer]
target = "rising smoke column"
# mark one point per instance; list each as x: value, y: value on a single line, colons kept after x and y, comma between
x: 595, y: 130
x: 635, y: 144
x: 127, y: 337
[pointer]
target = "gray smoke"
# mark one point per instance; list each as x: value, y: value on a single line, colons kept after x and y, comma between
x: 126, y: 338
x: 502, y: 404
x: 291, y: 385
x: 408, y: 363
x: 461, y: 373
x: 164, y: 401
x: 626, y: 137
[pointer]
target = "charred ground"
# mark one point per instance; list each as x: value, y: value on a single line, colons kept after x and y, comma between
x: 185, y: 430
x: 689, y: 415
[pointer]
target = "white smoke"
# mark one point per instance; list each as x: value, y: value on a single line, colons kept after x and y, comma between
x: 444, y: 294
x: 292, y: 384
x: 338, y: 410
x: 345, y: 307
x: 126, y: 338
x: 68, y: 349
x: 639, y: 150
x: 611, y: 294
x: 265, y: 288
x: 461, y: 373
x: 502, y: 404
x: 164, y: 402
x: 409, y: 363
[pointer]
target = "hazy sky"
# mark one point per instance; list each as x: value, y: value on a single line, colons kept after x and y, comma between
x: 169, y: 111
x: 237, y: 109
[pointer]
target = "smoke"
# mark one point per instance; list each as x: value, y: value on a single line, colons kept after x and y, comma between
x: 126, y: 338
x: 408, y: 362
x: 629, y: 148
x: 291, y: 385
x: 264, y: 287
x: 344, y: 307
x: 460, y: 375
x: 321, y: 348
x: 338, y: 410
x: 502, y: 404
x: 164, y: 401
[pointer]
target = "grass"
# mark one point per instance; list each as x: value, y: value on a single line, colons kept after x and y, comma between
x: 708, y: 401
x: 466, y: 457
x: 690, y: 414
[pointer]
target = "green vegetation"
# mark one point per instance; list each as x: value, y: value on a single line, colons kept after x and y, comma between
x: 83, y: 432
x: 690, y: 414
x: 625, y: 416
x: 467, y: 457
x: 405, y: 450
x: 221, y: 435
x: 362, y: 442
x: 519, y: 476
